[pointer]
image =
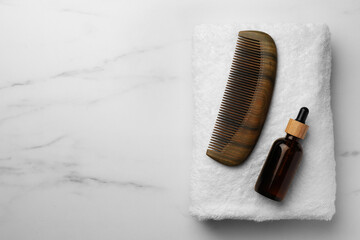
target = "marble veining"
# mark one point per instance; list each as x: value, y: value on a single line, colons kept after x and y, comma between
x: 350, y: 153
x: 46, y: 144
x: 76, y: 178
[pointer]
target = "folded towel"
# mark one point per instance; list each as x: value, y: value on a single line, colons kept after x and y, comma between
x: 303, y: 79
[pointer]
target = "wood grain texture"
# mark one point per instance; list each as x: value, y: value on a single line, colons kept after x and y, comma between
x: 296, y: 128
x: 246, y: 99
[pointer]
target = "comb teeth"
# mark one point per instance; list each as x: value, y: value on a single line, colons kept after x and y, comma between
x: 240, y: 89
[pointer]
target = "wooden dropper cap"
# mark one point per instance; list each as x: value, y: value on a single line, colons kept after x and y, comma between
x: 297, y: 127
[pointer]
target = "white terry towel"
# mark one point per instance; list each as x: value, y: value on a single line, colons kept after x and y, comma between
x: 303, y: 79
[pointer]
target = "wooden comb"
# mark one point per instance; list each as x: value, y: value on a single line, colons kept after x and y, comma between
x: 246, y: 99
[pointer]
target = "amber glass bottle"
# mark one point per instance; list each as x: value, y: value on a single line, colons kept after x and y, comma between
x: 283, y: 160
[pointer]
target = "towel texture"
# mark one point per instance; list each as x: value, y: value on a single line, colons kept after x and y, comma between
x: 303, y: 79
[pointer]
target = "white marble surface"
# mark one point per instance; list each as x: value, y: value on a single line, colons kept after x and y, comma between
x: 96, y: 114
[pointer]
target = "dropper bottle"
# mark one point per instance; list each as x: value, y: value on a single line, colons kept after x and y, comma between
x: 283, y: 160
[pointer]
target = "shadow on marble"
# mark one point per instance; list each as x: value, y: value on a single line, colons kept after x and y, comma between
x: 245, y: 229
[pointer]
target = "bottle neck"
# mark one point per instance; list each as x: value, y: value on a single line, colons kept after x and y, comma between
x: 291, y: 137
